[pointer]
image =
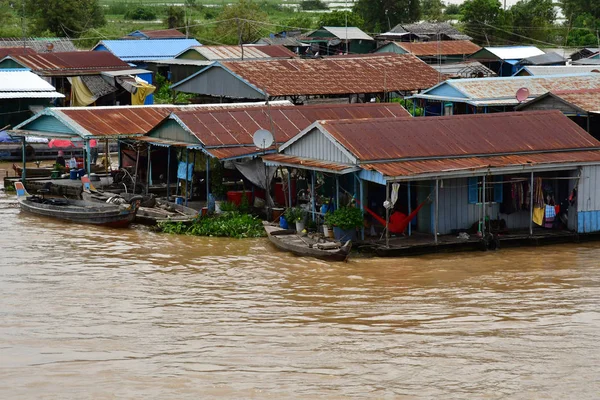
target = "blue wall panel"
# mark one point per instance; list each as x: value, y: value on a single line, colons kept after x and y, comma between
x: 588, y: 221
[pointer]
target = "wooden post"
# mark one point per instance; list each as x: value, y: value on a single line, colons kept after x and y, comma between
x: 362, y: 206
x: 24, y: 155
x: 289, y: 179
x: 409, y: 211
x: 148, y: 166
x: 88, y: 153
x: 483, y: 206
x: 120, y: 154
x: 193, y: 168
x: 312, y: 193
x: 187, y: 161
x: 531, y: 205
x: 337, y: 192
x: 387, y: 215
x: 437, y: 210
x: 207, y: 177
x: 168, y: 173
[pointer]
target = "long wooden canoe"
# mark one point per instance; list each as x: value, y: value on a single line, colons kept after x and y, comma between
x: 289, y: 240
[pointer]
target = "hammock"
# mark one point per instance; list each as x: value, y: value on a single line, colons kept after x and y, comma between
x: 399, y: 226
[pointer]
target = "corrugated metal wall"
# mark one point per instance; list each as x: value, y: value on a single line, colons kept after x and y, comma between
x: 457, y: 213
x: 218, y: 82
x: 588, y: 200
x: 315, y: 145
x: 171, y: 130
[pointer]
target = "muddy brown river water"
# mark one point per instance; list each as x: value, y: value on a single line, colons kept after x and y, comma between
x: 131, y: 314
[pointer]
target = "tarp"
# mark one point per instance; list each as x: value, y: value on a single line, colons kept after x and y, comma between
x: 256, y: 172
x: 63, y: 143
x: 6, y: 138
x: 181, y: 171
x: 80, y: 94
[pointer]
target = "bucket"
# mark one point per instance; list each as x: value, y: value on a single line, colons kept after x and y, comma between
x: 204, y: 211
x: 73, y: 174
x: 179, y: 200
x: 55, y: 174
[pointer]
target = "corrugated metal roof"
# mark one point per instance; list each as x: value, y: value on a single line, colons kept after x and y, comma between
x: 40, y: 45
x: 9, y: 51
x: 443, y: 47
x: 537, y: 70
x: 588, y: 100
x: 428, y: 28
x: 507, y: 52
x: 71, y: 63
x: 306, y: 163
x: 544, y: 59
x: 378, y: 73
x: 124, y: 120
x: 468, y: 69
x: 157, y: 34
x: 25, y: 81
x: 237, y: 127
x: 487, y: 89
x: 213, y: 53
x: 223, y: 153
x: 142, y: 50
x: 459, y: 135
x: 456, y: 165
x: 181, y: 61
x: 351, y: 33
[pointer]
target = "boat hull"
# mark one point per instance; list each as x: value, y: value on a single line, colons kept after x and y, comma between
x: 284, y: 240
x: 82, y: 212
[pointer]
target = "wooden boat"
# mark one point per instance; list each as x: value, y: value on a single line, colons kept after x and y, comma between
x: 149, y: 213
x: 42, y: 172
x: 79, y: 211
x: 289, y: 240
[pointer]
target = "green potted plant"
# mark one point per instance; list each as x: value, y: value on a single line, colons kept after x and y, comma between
x: 345, y: 221
x: 296, y: 215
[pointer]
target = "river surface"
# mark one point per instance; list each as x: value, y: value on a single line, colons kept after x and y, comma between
x: 131, y: 314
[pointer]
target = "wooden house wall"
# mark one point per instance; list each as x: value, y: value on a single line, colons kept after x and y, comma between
x: 217, y: 81
x: 171, y: 130
x: 551, y: 103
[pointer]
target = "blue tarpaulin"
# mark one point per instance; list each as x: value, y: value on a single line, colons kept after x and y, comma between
x: 181, y: 171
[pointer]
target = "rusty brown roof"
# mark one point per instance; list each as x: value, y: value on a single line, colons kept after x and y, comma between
x: 587, y: 100
x: 443, y: 47
x: 459, y: 135
x: 378, y: 73
x: 300, y: 162
x: 237, y: 126
x: 9, y: 51
x: 438, y: 166
x: 127, y: 120
x: 163, y: 34
x: 71, y: 63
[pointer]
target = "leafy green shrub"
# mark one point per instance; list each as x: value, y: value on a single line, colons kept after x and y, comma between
x: 141, y: 14
x: 244, y: 204
x: 345, y: 218
x: 228, y: 206
x: 294, y: 214
x: 230, y: 224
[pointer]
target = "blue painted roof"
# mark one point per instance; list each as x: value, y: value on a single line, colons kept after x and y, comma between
x: 146, y: 50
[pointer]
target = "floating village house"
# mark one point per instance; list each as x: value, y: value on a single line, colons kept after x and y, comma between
x: 489, y: 95
x: 582, y: 106
x: 344, y: 79
x: 22, y: 93
x: 84, y: 77
x: 447, y: 51
x: 505, y: 60
x: 538, y: 70
x: 328, y: 40
x: 423, y: 32
x: 192, y: 60
x: 477, y: 171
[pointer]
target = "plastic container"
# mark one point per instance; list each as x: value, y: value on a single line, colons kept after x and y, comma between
x: 179, y: 200
x: 235, y: 196
x: 283, y: 224
x: 81, y: 173
x: 204, y: 211
x: 73, y: 174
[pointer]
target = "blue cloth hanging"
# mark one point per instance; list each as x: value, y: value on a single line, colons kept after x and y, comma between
x: 181, y: 171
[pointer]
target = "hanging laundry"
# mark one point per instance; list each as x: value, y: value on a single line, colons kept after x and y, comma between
x: 538, y: 215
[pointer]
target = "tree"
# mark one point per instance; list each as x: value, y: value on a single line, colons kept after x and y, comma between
x: 533, y: 19
x: 385, y: 14
x: 65, y: 17
x: 313, y: 5
x: 300, y: 21
x: 452, y: 9
x: 432, y: 10
x: 480, y: 18
x: 338, y: 18
x: 242, y: 22
x: 175, y: 17
x: 574, y: 8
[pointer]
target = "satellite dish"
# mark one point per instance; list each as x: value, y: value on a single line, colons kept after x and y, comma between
x: 522, y: 94
x: 49, y: 47
x: 263, y: 139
